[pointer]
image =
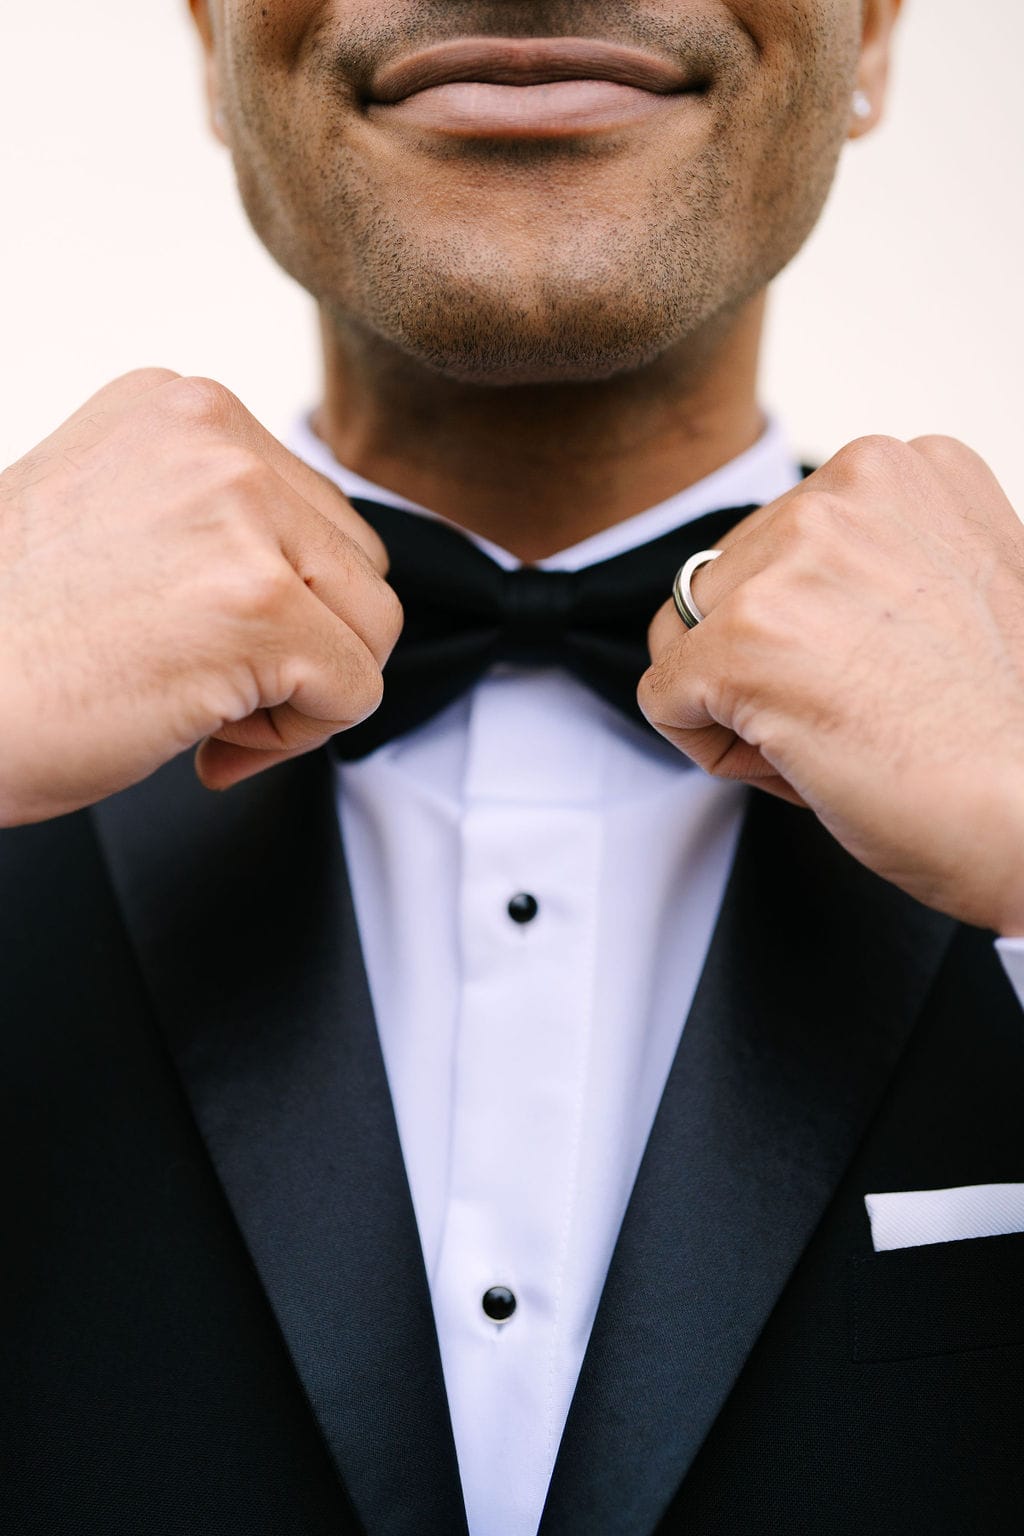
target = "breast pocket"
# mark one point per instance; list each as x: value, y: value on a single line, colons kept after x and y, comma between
x: 939, y: 1299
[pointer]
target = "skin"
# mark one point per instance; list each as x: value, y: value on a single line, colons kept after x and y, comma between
x: 538, y: 337
x: 170, y: 575
x: 863, y: 655
x: 616, y: 282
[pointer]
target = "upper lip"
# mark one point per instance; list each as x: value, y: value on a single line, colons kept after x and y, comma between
x: 525, y: 61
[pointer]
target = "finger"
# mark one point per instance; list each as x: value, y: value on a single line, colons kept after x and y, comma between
x: 225, y: 411
x: 719, y: 752
x: 337, y: 571
x: 675, y: 696
x: 331, y: 566
x: 239, y: 751
x: 314, y: 676
x: 327, y: 499
x: 739, y: 560
x: 790, y: 529
x: 221, y: 765
x: 666, y: 630
x: 682, y: 697
x: 746, y: 549
x: 328, y: 561
x: 327, y: 678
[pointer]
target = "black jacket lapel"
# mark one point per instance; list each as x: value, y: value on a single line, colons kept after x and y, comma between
x: 815, y: 976
x: 239, y: 909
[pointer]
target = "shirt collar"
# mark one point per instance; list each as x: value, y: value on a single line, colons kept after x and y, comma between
x: 761, y: 474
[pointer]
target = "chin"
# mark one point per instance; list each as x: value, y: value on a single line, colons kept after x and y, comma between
x: 562, y: 326
x: 500, y: 352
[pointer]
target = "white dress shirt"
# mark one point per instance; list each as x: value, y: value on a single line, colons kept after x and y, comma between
x: 526, y: 1059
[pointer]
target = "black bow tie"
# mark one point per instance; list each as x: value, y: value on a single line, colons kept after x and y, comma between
x: 463, y: 613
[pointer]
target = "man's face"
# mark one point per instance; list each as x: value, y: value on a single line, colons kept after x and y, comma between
x: 519, y: 228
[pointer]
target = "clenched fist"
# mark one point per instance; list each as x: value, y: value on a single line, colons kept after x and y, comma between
x: 863, y: 654
x: 171, y: 575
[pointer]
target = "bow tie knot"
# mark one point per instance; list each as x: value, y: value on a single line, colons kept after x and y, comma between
x: 538, y: 608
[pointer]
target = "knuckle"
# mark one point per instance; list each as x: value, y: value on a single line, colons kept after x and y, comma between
x: 376, y: 551
x: 239, y: 472
x: 373, y: 608
x: 770, y: 621
x: 816, y: 515
x: 147, y: 378
x: 663, y: 685
x: 362, y: 540
x: 650, y: 693
x: 199, y: 402
x: 946, y: 454
x: 256, y: 591
x: 374, y: 691
x: 874, y: 447
x: 364, y: 690
x: 392, y: 616
x: 223, y: 694
x: 645, y: 691
x: 871, y: 457
x: 804, y: 517
x: 224, y: 505
x: 940, y: 443
x: 750, y: 720
x: 745, y: 611
x: 751, y: 637
x: 665, y: 631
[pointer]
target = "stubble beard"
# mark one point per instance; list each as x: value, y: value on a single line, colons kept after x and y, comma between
x: 599, y: 299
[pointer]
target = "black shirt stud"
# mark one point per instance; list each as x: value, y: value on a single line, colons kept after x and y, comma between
x: 523, y: 908
x: 499, y: 1303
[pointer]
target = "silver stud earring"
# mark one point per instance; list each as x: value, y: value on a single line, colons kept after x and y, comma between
x: 861, y: 106
x: 219, y: 123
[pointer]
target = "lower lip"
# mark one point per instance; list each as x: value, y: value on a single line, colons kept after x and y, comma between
x: 561, y: 109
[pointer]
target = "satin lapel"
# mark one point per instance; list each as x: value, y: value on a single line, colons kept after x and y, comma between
x: 240, y: 912
x: 815, y: 976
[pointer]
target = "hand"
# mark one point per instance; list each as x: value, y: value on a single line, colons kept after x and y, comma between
x: 169, y: 574
x: 863, y: 654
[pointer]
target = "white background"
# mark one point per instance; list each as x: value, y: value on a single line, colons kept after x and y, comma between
x: 122, y: 242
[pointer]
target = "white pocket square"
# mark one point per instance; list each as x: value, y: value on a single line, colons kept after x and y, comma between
x: 912, y: 1218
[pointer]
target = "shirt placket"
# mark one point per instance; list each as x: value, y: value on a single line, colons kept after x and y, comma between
x: 531, y: 845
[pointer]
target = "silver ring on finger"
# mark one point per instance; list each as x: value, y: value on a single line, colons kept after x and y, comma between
x: 686, y: 607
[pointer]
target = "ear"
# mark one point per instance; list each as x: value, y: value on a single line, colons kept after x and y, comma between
x: 203, y: 18
x: 877, y: 31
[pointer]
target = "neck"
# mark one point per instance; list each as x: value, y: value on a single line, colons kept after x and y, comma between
x: 538, y: 468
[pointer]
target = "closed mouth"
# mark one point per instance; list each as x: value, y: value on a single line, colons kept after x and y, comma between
x: 526, y: 62
x: 535, y: 88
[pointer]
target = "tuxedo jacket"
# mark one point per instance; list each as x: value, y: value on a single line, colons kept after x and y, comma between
x: 215, y: 1319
